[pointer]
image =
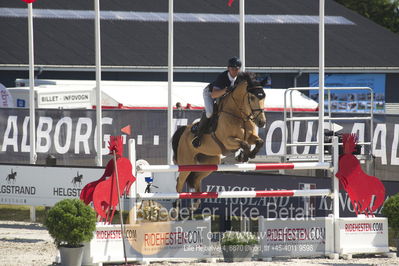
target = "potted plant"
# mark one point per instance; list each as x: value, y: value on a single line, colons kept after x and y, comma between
x: 70, y: 222
x: 391, y: 211
x: 238, y: 246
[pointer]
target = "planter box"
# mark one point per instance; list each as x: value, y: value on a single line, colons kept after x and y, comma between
x: 237, y: 253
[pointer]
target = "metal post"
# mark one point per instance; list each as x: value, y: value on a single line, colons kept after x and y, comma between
x: 133, y: 191
x: 99, y: 159
x: 321, y: 82
x: 335, y: 183
x: 170, y: 83
x: 32, y: 213
x: 32, y: 123
x: 242, y: 33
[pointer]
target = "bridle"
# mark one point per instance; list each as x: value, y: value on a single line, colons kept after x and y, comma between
x: 254, y: 114
x: 253, y: 111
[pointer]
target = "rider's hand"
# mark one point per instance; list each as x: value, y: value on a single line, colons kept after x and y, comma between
x: 229, y: 89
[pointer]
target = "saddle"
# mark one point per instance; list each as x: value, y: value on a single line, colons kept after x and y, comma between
x: 211, y: 126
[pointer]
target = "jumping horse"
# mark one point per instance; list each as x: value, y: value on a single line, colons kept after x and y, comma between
x: 239, y: 112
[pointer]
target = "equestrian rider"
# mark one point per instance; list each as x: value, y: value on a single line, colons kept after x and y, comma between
x: 223, y: 84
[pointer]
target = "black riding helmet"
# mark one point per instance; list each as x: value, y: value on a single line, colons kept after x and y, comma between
x: 234, y: 62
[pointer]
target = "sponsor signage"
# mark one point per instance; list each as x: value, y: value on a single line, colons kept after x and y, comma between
x: 352, y: 100
x: 43, y: 186
x: 281, y: 207
x: 290, y: 237
x: 166, y: 240
x: 70, y: 135
x: 361, y: 235
x: 62, y: 98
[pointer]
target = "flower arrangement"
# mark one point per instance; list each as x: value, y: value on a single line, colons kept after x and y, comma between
x: 239, y: 238
x: 152, y: 212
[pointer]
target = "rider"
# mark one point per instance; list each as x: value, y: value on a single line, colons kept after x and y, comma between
x: 223, y: 84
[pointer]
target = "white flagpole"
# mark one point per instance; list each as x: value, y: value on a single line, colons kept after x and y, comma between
x: 321, y: 81
x: 99, y: 158
x: 170, y: 83
x: 242, y: 33
x: 32, y: 123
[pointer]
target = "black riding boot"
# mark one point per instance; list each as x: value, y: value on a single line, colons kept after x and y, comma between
x: 201, y: 127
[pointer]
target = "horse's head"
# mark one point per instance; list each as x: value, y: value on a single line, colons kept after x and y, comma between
x: 251, y: 91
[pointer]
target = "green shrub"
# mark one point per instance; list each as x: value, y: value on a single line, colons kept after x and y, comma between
x: 391, y: 211
x: 70, y: 222
x: 239, y: 238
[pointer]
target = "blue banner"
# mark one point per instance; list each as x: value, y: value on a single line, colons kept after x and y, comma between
x: 352, y: 100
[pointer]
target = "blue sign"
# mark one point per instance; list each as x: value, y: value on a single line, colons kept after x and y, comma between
x: 352, y: 100
x: 21, y: 103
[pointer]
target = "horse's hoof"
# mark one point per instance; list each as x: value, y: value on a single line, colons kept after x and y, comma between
x: 239, y: 158
x: 195, y: 205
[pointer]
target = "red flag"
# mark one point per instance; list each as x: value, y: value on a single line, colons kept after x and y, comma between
x: 29, y: 1
x: 229, y: 4
x: 127, y: 129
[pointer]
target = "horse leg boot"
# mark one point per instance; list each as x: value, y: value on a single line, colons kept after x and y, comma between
x: 202, y: 126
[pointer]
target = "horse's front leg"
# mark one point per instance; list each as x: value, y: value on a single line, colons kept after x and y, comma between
x: 234, y: 143
x: 254, y: 139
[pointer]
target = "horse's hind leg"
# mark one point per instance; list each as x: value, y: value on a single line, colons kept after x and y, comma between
x: 195, y: 180
x: 181, y: 180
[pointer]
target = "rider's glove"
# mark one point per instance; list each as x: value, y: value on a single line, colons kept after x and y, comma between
x: 229, y: 89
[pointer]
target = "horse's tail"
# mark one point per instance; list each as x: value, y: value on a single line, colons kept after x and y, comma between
x: 175, y: 141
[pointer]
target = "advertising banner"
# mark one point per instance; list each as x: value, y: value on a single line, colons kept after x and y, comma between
x: 361, y: 235
x: 43, y: 186
x: 166, y: 240
x: 300, y: 208
x: 69, y: 135
x: 292, y: 238
x: 352, y: 100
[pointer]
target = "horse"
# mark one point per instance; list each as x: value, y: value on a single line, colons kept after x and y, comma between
x: 11, y: 177
x: 77, y: 179
x: 239, y: 112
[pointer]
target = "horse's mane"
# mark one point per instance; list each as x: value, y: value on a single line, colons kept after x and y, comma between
x: 250, y: 78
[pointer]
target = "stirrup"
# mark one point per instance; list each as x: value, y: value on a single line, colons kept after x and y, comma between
x: 196, y: 141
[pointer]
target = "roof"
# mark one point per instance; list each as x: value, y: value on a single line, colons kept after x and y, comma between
x: 280, y: 34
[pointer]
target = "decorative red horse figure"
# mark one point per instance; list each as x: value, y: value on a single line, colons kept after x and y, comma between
x: 104, y: 193
x: 360, y: 187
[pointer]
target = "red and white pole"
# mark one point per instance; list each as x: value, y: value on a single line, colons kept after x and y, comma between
x: 235, y: 194
x: 232, y: 167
